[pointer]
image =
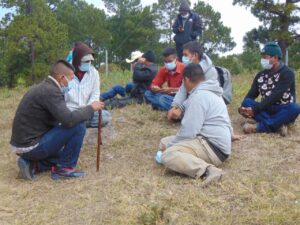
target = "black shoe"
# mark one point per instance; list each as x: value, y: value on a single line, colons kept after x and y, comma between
x: 27, y: 169
x: 58, y: 173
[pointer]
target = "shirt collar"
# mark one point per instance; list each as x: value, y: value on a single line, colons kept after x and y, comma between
x: 55, y: 81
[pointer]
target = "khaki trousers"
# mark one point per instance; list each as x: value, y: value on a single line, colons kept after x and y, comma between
x: 189, y: 157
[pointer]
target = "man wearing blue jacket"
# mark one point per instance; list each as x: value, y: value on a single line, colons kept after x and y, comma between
x: 204, y: 139
x: 187, y: 27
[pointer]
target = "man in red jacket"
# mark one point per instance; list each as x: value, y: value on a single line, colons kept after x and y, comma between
x: 161, y: 97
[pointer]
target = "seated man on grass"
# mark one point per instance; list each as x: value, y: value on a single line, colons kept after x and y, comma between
x: 192, y: 53
x: 171, y: 73
x: 45, y: 133
x: 204, y: 139
x: 276, y: 86
x: 144, y: 70
x: 86, y: 84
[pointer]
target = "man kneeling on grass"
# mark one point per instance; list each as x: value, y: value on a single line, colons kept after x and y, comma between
x: 276, y: 85
x: 204, y: 140
x: 46, y: 134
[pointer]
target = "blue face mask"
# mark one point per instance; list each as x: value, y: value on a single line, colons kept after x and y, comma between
x: 66, y: 89
x: 171, y: 66
x: 186, y: 61
x: 84, y: 67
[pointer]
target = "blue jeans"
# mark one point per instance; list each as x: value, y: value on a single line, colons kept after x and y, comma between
x: 93, y: 122
x: 59, y: 146
x: 272, y: 118
x: 158, y: 100
x: 115, y: 90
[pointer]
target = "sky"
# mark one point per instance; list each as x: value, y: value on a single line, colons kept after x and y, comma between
x: 237, y: 18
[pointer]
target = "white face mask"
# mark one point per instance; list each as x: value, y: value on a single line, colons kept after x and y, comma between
x: 171, y: 66
x: 185, y: 16
x: 265, y: 63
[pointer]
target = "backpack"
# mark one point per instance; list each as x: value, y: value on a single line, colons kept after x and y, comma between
x: 224, y: 78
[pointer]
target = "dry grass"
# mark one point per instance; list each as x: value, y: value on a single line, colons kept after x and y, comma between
x: 262, y: 185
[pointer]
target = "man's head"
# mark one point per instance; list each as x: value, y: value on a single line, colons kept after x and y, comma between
x: 149, y: 57
x: 193, y: 75
x: 169, y: 57
x: 271, y: 55
x: 63, y: 72
x: 192, y: 52
x: 184, y: 9
x: 83, y: 55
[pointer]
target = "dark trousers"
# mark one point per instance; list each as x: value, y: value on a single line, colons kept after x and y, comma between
x: 179, y: 50
x: 272, y: 118
x: 59, y: 146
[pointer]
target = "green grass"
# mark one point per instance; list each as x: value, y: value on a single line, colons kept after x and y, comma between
x: 262, y: 186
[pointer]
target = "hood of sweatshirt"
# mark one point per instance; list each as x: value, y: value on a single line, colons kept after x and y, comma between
x: 209, y: 85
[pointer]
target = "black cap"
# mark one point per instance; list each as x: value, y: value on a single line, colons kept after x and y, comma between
x: 184, y: 6
x: 149, y: 56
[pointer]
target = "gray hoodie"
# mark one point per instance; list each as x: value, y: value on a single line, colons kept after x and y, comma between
x: 210, y: 74
x: 206, y: 115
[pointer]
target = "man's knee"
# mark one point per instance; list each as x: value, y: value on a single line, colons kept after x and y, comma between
x: 148, y: 94
x: 106, y: 117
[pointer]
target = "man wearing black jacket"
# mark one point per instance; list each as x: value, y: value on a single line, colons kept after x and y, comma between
x: 187, y: 27
x: 45, y: 133
x: 144, y: 70
x: 276, y: 86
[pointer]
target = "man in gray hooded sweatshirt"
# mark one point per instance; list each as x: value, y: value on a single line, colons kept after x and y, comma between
x: 204, y: 140
x: 192, y: 53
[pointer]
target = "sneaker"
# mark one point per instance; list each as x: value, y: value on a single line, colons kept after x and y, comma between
x: 283, y: 130
x: 249, y: 128
x: 58, y: 173
x: 212, y: 174
x: 27, y: 169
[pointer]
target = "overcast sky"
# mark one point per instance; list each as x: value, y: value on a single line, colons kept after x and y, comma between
x: 237, y: 18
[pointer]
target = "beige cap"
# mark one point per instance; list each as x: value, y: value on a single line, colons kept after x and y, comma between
x: 134, y: 56
x: 88, y: 57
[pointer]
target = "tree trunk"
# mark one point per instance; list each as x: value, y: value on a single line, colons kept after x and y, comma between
x: 28, y: 12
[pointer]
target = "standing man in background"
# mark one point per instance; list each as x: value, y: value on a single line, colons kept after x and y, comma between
x: 187, y: 27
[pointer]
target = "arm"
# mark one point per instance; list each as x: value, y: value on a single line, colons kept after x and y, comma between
x: 197, y: 26
x: 192, y: 121
x: 56, y: 105
x: 159, y: 79
x: 253, y: 93
x: 180, y: 97
x: 142, y: 74
x: 95, y: 95
x: 284, y: 83
x: 176, y: 26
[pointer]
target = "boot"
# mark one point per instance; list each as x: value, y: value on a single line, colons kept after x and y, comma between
x: 212, y: 174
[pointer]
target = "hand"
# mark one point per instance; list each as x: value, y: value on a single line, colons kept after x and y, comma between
x: 97, y: 105
x: 174, y: 113
x: 156, y: 88
x: 141, y: 60
x: 237, y: 137
x: 246, y: 112
x: 181, y: 29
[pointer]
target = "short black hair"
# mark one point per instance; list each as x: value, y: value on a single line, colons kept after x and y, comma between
x: 56, y: 65
x: 194, y: 72
x: 194, y: 47
x: 169, y: 51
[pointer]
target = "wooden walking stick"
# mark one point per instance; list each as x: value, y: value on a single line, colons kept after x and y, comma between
x: 99, y: 140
